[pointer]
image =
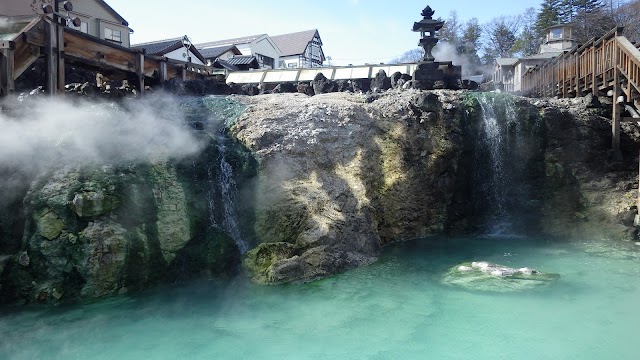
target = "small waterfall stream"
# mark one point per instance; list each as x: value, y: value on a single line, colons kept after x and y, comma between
x: 211, y: 115
x: 496, y: 175
x: 228, y: 190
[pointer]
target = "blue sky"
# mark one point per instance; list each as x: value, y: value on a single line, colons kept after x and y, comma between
x: 353, y: 31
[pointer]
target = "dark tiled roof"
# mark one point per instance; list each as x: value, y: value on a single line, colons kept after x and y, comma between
x: 223, y: 64
x: 235, y: 41
x: 163, y: 47
x: 214, y: 52
x: 158, y: 47
x: 242, y: 60
x: 294, y: 43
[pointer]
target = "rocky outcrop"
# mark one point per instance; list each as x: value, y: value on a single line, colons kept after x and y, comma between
x: 339, y: 178
x: 342, y: 175
x: 586, y: 192
x: 93, y: 231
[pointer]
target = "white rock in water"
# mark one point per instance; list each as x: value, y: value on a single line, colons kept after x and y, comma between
x: 480, y: 265
x: 525, y: 271
x: 496, y: 273
x: 464, y: 268
x: 638, y: 243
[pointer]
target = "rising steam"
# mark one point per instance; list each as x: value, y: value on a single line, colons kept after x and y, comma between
x: 46, y: 133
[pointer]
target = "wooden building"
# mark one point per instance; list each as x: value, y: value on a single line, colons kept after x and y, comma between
x: 259, y: 46
x: 97, y: 17
x: 300, y: 49
x: 177, y: 49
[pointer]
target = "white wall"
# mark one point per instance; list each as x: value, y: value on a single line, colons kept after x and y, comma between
x: 265, y: 47
x: 178, y: 54
x: 245, y: 49
x: 295, y: 60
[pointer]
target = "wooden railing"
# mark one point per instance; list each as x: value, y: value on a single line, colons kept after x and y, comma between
x: 588, y: 69
x: 35, y: 40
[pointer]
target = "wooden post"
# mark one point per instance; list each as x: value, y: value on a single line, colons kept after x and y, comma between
x: 615, y: 117
x: 163, y: 71
x: 577, y: 70
x: 140, y: 71
x: 637, y: 219
x: 60, y: 56
x: 50, y: 58
x: 184, y: 73
x: 7, y: 69
x: 594, y: 88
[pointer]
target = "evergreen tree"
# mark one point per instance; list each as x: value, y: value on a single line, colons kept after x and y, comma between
x: 587, y: 6
x: 566, y: 11
x: 549, y: 15
x: 471, y: 37
x: 528, y: 41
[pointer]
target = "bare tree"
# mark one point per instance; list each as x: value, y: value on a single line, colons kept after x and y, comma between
x: 410, y: 56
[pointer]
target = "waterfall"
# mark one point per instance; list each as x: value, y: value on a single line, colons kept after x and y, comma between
x: 494, y: 156
x: 228, y: 191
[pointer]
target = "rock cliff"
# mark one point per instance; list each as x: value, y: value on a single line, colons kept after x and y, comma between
x: 324, y: 183
x: 342, y: 175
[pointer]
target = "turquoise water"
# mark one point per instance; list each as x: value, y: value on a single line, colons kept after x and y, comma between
x: 397, y: 308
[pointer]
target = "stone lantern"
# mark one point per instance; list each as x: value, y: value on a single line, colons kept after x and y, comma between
x: 427, y: 28
x: 430, y: 74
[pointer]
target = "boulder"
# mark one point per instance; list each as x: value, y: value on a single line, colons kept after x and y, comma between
x: 93, y: 203
x: 250, y: 89
x: 395, y: 78
x: 381, y: 82
x: 285, y: 87
x: 361, y: 85
x: 322, y: 85
x: 305, y: 88
x: 49, y: 225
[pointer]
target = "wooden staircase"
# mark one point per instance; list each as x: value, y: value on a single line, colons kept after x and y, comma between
x: 609, y: 66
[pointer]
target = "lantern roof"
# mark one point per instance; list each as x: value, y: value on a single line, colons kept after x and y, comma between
x: 428, y: 23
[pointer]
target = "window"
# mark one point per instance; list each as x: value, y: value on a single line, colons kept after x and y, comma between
x: 292, y: 65
x: 84, y: 27
x: 556, y: 33
x: 113, y: 35
x: 265, y: 61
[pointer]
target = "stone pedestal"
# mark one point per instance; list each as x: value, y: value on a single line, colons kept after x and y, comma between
x: 428, y: 71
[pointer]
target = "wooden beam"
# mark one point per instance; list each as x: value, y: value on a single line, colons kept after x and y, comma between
x: 7, y: 71
x: 60, y: 57
x: 50, y: 59
x: 616, y: 111
x: 594, y: 85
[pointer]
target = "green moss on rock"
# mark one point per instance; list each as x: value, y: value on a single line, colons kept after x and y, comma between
x: 259, y: 260
x: 49, y: 224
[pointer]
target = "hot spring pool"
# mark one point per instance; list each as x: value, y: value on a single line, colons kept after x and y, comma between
x: 397, y: 308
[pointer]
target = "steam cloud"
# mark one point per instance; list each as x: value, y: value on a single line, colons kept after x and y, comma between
x: 45, y: 133
x: 446, y: 52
